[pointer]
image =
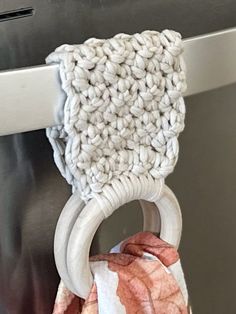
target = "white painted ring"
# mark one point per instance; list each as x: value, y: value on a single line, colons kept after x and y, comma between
x: 100, y: 207
x: 68, y: 216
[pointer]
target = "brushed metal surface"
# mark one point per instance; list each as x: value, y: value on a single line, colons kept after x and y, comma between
x: 33, y: 192
x: 26, y: 42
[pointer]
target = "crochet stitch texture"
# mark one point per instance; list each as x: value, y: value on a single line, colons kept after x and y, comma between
x: 124, y: 108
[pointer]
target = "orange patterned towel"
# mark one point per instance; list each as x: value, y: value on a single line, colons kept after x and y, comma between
x: 141, y: 275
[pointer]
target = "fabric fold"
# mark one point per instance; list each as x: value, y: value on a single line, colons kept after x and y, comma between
x: 142, y: 274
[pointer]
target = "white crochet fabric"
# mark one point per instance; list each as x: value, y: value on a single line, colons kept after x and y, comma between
x: 124, y: 108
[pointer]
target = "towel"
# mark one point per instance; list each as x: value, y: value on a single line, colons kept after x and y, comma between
x: 142, y: 274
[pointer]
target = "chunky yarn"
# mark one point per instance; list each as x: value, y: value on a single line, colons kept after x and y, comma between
x: 123, y: 111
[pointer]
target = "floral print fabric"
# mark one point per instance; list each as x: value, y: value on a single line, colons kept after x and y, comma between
x: 141, y: 275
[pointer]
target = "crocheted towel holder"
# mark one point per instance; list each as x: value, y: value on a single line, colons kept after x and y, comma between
x: 117, y: 140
